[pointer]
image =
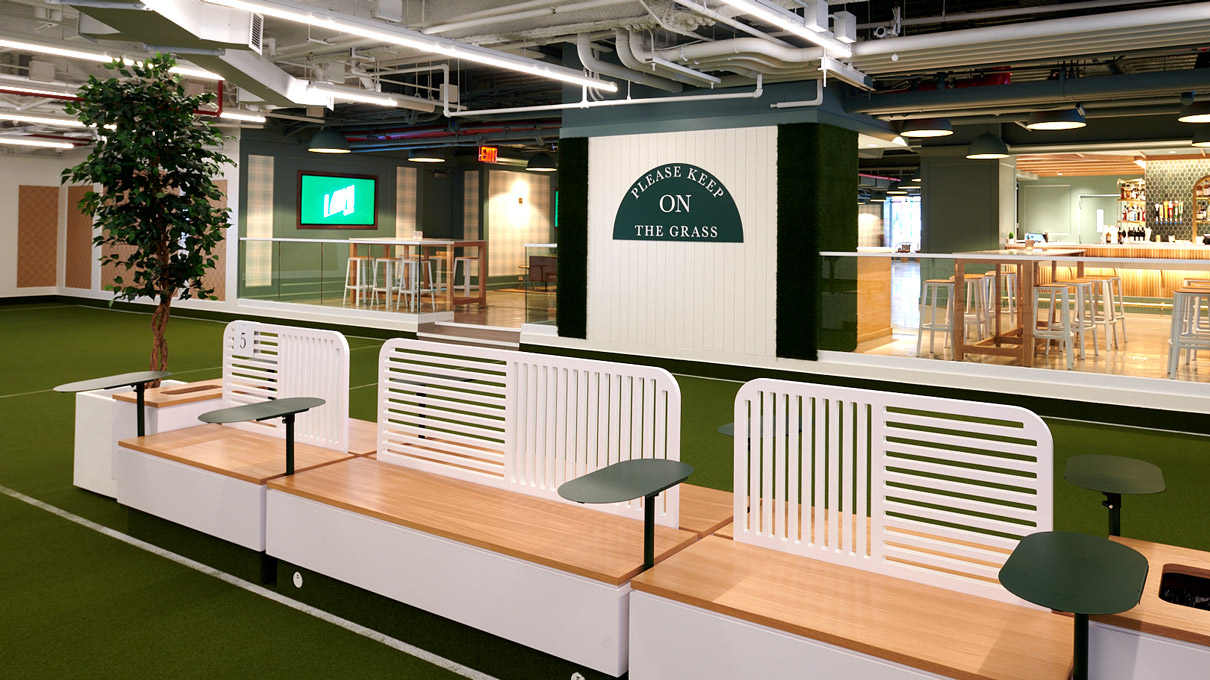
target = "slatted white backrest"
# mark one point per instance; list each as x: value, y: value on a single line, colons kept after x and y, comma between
x: 521, y: 421
x: 266, y: 361
x: 932, y: 490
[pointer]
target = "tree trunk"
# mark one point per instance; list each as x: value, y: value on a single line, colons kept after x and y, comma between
x: 159, y: 340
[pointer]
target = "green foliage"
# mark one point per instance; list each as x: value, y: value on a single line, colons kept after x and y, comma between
x: 154, y: 160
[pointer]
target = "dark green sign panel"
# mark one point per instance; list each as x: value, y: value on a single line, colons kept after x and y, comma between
x: 678, y: 202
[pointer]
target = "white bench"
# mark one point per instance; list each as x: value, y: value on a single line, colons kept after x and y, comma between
x: 459, y: 514
x: 868, y: 534
x: 212, y: 478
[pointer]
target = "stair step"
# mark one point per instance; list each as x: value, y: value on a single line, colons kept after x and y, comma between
x: 470, y: 335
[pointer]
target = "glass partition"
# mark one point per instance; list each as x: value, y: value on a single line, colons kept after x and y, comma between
x: 540, y: 278
x: 1043, y: 309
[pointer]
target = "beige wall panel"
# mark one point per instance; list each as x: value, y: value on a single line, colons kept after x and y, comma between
x: 37, y: 235
x: 216, y: 277
x: 78, y: 251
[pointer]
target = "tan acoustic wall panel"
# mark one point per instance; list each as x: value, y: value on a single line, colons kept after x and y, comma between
x: 37, y: 235
x: 78, y: 251
x: 216, y: 277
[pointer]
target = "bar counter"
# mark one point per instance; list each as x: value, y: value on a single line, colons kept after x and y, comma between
x: 1146, y: 281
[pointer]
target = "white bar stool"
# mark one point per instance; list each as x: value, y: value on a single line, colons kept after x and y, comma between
x: 1186, y: 323
x: 387, y: 266
x: 1085, y: 313
x: 465, y: 286
x: 930, y: 304
x: 359, y: 278
x: 1008, y: 294
x: 976, y: 313
x: 1057, y: 325
x: 1115, y: 296
x: 416, y: 281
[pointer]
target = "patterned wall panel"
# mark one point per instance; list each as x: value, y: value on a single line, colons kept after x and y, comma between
x: 78, y: 252
x: 216, y: 278
x: 470, y: 205
x: 518, y: 212
x: 37, y: 235
x: 258, y: 216
x: 405, y: 201
x: 1173, y: 181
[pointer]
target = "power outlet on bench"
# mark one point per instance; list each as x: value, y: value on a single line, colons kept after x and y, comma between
x: 297, y: 579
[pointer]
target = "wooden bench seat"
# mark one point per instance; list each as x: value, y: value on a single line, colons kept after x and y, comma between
x: 704, y: 511
x: 244, y: 455
x: 573, y: 539
x: 907, y: 624
x: 1156, y: 639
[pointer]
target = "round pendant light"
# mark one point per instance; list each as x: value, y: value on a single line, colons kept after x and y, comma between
x: 1201, y: 137
x: 1197, y: 112
x: 542, y: 162
x: 426, y: 156
x: 927, y: 127
x: 987, y: 145
x: 1056, y: 119
x: 328, y: 140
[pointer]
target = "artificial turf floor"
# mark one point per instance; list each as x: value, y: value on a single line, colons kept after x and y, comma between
x: 74, y: 603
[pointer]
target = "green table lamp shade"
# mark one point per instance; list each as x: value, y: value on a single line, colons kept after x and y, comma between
x: 1075, y: 573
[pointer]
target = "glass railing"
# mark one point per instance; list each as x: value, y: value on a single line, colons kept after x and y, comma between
x: 1021, y: 308
x: 390, y: 275
x: 541, y: 282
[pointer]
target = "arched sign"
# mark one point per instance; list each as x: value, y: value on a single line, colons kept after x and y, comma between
x: 678, y: 202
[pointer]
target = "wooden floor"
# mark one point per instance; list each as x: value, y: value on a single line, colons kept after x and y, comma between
x: 1145, y: 355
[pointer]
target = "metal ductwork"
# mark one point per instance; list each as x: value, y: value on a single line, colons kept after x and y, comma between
x: 590, y: 62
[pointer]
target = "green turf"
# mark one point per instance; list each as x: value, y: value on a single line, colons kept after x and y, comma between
x: 85, y: 605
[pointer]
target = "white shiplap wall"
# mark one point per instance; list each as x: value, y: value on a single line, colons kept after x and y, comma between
x: 707, y: 298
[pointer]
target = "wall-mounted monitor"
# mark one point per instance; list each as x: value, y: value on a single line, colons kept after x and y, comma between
x: 327, y: 201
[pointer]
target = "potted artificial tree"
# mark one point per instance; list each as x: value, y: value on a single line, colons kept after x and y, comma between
x: 155, y: 159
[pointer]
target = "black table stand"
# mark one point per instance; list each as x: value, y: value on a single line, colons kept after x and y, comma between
x: 1075, y: 573
x: 285, y: 409
x: 625, y: 481
x: 136, y: 380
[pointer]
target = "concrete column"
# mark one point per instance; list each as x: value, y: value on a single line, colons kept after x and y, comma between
x: 965, y: 204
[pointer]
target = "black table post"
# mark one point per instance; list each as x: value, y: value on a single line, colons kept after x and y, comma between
x: 1079, y: 662
x: 289, y: 420
x: 1113, y: 501
x: 648, y: 532
x: 140, y: 392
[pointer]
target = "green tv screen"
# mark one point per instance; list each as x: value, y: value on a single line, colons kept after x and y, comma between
x: 336, y: 202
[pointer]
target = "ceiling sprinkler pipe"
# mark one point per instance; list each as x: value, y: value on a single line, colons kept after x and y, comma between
x: 592, y: 63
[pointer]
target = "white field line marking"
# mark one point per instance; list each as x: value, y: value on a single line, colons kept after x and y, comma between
x: 30, y: 309
x: 25, y: 394
x: 359, y: 629
x: 361, y: 386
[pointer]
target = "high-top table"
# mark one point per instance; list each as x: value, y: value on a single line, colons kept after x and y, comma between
x: 1015, y: 342
x: 1075, y: 573
x: 137, y: 380
x: 285, y: 409
x: 447, y: 246
x: 625, y: 481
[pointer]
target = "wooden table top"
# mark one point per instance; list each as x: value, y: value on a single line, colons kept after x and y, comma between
x: 705, y: 511
x: 248, y: 456
x: 363, y: 437
x: 175, y: 395
x: 933, y: 629
x: 1159, y: 617
x: 563, y: 536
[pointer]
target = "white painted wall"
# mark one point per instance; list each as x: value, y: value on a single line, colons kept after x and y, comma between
x: 692, y: 300
x: 16, y: 170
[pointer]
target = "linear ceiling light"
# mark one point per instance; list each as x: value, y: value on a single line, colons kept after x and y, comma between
x: 98, y: 57
x: 1197, y: 112
x: 41, y: 120
x: 377, y: 98
x: 927, y: 127
x: 1056, y: 119
x: 397, y: 35
x: 245, y: 116
x: 987, y: 145
x: 791, y: 22
x: 40, y: 143
x: 1201, y: 137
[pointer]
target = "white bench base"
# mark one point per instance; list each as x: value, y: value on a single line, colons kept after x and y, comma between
x: 569, y: 616
x: 102, y: 421
x: 670, y: 639
x: 1122, y: 654
x: 214, y: 504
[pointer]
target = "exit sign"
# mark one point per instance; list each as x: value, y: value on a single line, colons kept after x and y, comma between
x: 487, y: 154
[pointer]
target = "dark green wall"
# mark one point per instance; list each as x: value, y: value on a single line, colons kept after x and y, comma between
x: 816, y: 211
x: 572, y: 295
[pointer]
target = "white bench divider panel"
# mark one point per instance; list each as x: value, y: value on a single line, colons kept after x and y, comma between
x: 937, y: 491
x: 523, y: 422
x: 267, y: 361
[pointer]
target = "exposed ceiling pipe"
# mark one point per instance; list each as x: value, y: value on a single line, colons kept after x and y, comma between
x: 631, y: 47
x: 1038, y: 92
x: 444, y: 133
x: 517, y: 16
x: 464, y: 140
x: 1000, y: 13
x: 496, y: 11
x: 701, y: 8
x: 592, y: 63
x: 741, y: 46
x: 1092, y: 109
